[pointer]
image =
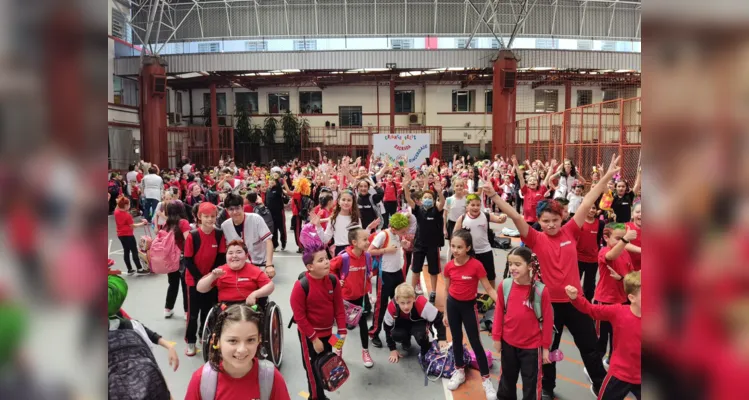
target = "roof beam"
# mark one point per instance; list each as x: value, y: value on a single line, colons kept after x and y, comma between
x: 200, y: 20
x: 345, y: 15
x: 317, y: 27
x: 611, y: 20
x: 405, y: 19
x: 582, y: 19
x: 257, y: 19
x: 481, y: 19
x: 520, y: 20
x: 286, y: 15
x: 435, y: 17
x: 228, y: 21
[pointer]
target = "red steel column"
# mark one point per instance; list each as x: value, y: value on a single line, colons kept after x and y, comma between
x: 153, y: 114
x: 214, y: 126
x: 503, y: 107
x: 392, y: 106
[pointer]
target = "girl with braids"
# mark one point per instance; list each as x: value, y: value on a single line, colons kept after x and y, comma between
x: 522, y: 339
x: 176, y: 221
x: 317, y: 307
x: 462, y: 276
x: 233, y: 370
x: 556, y: 248
x: 345, y: 217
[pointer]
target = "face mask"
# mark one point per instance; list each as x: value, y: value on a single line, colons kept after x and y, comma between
x: 427, y: 203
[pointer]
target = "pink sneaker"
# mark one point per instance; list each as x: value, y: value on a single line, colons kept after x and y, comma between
x: 367, y: 359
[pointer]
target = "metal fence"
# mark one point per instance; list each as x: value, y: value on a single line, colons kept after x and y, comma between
x: 587, y: 135
x: 357, y: 142
x: 195, y: 143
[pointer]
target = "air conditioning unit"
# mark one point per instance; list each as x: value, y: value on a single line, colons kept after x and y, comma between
x: 170, y: 118
x: 177, y: 118
x: 222, y: 121
x: 414, y: 119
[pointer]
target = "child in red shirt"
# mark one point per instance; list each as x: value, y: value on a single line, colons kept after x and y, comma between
x: 635, y: 246
x: 232, y: 361
x: 613, y: 264
x: 588, y: 246
x: 532, y: 193
x: 462, y: 275
x: 125, y: 226
x: 315, y: 310
x: 517, y: 333
x: 624, y: 375
x: 356, y: 284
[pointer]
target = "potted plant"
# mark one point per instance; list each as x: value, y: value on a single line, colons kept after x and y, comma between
x: 290, y: 127
x: 270, y: 126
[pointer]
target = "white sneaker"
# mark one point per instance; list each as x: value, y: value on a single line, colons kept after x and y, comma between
x: 190, y: 350
x: 491, y: 394
x: 459, y: 376
x: 168, y: 313
x: 418, y: 290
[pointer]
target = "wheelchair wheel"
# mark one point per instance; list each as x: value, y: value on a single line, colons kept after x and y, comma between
x: 205, y: 334
x: 272, y: 348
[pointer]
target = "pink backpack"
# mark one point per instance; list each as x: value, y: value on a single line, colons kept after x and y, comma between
x: 164, y: 253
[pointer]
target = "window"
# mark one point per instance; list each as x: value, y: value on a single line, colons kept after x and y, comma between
x: 404, y: 101
x: 212, y: 47
x: 546, y: 100
x: 349, y: 116
x: 608, y: 45
x: 489, y: 100
x: 278, y: 103
x: 247, y: 101
x: 307, y: 44
x: 125, y: 91
x: 495, y: 44
x: 255, y: 45
x: 584, y: 44
x: 401, y: 44
x: 464, y: 100
x: 547, y: 43
x: 117, y: 89
x: 310, y: 102
x: 119, y: 26
x: 584, y: 97
x: 220, y: 102
x: 611, y: 94
x: 463, y: 43
x: 178, y: 102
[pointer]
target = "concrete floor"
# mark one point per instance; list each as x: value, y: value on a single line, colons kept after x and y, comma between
x: 384, y: 381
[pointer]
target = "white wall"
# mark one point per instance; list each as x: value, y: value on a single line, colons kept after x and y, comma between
x: 434, y: 102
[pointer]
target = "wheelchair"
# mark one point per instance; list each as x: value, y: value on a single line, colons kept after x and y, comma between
x: 271, y: 348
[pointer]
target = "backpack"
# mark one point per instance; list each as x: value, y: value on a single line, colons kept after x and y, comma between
x: 113, y: 188
x: 377, y: 260
x: 440, y: 364
x: 209, y: 380
x: 219, y: 234
x: 164, y: 253
x: 128, y: 353
x: 264, y: 212
x: 345, y: 265
x: 507, y: 286
x: 304, y: 282
x: 331, y: 370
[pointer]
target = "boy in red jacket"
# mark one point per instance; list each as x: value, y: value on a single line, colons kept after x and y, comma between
x: 613, y: 264
x: 315, y: 309
x: 624, y: 374
x: 356, y: 282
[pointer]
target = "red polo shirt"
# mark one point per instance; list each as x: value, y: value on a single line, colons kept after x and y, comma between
x: 237, y: 285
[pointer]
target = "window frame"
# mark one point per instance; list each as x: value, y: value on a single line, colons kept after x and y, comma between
x: 305, y: 45
x: 488, y: 100
x: 470, y: 102
x: 547, y: 95
x: 310, y: 101
x: 402, y: 93
x: 219, y: 95
x: 252, y: 111
x: 211, y: 46
x: 350, y: 110
x: 589, y: 97
x: 263, y: 47
x: 401, y: 42
x: 280, y: 109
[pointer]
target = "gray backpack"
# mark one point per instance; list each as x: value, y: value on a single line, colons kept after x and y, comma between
x: 209, y: 380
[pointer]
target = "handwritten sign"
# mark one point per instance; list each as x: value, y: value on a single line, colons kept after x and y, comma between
x: 394, y: 148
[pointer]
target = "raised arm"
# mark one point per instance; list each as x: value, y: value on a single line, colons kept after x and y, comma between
x: 596, y: 190
x: 406, y: 189
x: 441, y: 196
x: 521, y: 179
x: 509, y: 210
x: 638, y: 181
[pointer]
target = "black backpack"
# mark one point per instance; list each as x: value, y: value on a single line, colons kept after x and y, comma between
x: 264, y: 212
x: 133, y: 371
x: 305, y: 285
x: 220, y: 257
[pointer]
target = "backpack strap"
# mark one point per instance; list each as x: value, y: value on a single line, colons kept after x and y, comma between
x: 506, y: 287
x: 265, y: 376
x: 196, y: 241
x: 345, y: 261
x: 208, y: 382
x: 537, y: 303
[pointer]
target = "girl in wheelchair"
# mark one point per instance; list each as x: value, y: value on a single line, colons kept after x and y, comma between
x: 238, y: 280
x: 233, y: 370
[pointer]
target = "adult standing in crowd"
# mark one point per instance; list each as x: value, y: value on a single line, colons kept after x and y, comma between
x: 153, y: 190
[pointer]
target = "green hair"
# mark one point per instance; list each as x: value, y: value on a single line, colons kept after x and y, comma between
x: 471, y: 197
x: 399, y: 221
x: 13, y: 326
x: 613, y: 226
x: 116, y: 294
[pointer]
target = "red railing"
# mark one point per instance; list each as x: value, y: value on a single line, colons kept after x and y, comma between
x: 195, y: 143
x: 587, y: 135
x: 355, y: 142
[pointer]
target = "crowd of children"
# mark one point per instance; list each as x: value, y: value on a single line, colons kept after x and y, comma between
x: 355, y: 220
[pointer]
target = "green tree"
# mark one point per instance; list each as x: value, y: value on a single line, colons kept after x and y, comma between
x: 270, y: 126
x: 243, y: 130
x: 290, y: 126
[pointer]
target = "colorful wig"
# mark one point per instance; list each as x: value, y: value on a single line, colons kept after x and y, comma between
x: 311, y: 241
x: 399, y: 221
x: 116, y: 294
x: 551, y: 206
x: 302, y: 186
